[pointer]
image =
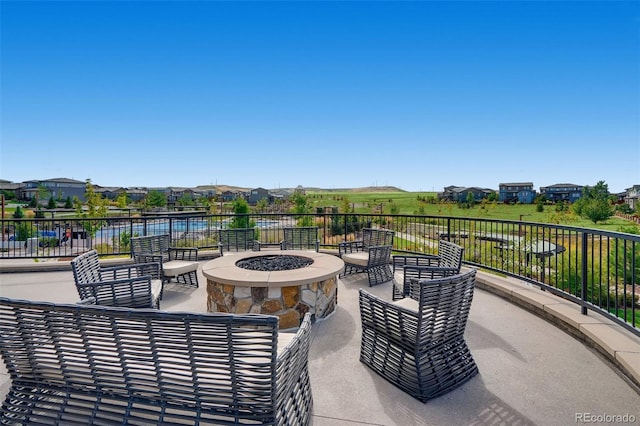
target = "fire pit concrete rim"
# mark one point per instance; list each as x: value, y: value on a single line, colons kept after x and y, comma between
x: 224, y: 270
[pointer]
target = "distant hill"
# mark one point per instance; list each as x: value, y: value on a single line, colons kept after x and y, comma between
x: 363, y: 189
x: 222, y: 188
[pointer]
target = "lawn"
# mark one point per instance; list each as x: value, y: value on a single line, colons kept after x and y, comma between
x: 412, y: 203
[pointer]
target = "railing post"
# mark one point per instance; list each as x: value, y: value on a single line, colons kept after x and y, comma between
x: 345, y: 226
x: 448, y: 229
x: 584, y: 271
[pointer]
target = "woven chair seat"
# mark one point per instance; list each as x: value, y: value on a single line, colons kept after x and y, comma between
x: 359, y: 258
x: 174, y: 268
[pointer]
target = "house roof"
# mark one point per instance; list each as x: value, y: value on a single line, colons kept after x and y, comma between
x: 59, y: 180
x: 517, y: 184
x: 561, y: 185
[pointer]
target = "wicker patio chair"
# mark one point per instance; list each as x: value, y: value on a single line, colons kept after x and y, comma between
x: 237, y: 240
x: 131, y: 286
x: 300, y: 238
x: 372, y: 255
x: 418, y: 343
x: 96, y: 365
x: 179, y: 263
x: 447, y: 262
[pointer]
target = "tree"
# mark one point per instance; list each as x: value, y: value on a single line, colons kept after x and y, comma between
x: 594, y: 203
x: 18, y: 214
x: 301, y: 206
x: 122, y: 201
x: 156, y: 199
x: 262, y: 204
x: 68, y: 204
x: 597, y: 210
x: 96, y: 209
x: 52, y: 203
x: 241, y: 218
x: 185, y: 200
x: 471, y: 199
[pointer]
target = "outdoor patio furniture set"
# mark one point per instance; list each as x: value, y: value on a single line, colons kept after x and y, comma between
x: 108, y: 359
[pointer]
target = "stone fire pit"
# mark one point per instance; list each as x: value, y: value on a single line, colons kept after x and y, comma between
x: 301, y: 282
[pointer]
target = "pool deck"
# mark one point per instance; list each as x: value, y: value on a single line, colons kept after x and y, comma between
x: 557, y: 370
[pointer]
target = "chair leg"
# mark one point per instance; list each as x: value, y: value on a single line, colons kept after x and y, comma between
x: 350, y: 269
x: 190, y: 278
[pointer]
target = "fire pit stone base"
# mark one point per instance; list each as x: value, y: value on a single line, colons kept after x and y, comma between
x: 289, y: 303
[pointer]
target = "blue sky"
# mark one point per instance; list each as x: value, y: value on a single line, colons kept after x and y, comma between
x: 418, y: 95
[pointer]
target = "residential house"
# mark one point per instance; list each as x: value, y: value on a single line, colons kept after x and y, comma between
x: 108, y: 192
x: 8, y: 187
x: 229, y: 195
x: 450, y: 193
x: 136, y: 194
x: 562, y: 192
x: 632, y: 197
x: 522, y: 192
x: 257, y: 194
x: 459, y: 194
x: 174, y: 194
x: 59, y: 188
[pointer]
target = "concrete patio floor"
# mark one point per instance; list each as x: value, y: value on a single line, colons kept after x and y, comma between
x: 531, y: 372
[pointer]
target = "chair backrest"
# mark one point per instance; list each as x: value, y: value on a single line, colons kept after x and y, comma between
x: 300, y: 238
x: 236, y: 239
x: 450, y: 255
x: 86, y: 268
x: 150, y: 245
x: 445, y: 303
x: 82, y: 348
x: 377, y: 237
x: 443, y: 306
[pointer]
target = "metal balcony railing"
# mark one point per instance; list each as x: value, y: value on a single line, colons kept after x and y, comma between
x: 599, y: 270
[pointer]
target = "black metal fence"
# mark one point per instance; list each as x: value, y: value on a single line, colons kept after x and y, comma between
x: 598, y: 270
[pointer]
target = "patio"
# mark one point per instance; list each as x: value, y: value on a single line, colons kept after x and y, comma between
x: 531, y: 372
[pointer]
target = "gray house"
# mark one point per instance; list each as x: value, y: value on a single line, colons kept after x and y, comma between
x: 257, y: 194
x: 59, y: 188
x: 459, y: 194
x: 562, y: 192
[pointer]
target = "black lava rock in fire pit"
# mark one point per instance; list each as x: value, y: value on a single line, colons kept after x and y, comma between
x: 285, y: 262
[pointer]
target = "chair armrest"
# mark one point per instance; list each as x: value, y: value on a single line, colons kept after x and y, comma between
x: 416, y: 276
x: 128, y: 292
x: 136, y: 270
x: 401, y: 260
x: 183, y: 253
x: 292, y: 360
x: 396, y: 323
x: 350, y: 246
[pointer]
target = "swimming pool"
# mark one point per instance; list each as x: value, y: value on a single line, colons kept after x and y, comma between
x: 166, y: 226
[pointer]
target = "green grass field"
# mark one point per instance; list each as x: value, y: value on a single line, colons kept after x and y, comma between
x: 410, y: 203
